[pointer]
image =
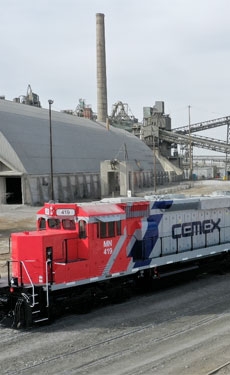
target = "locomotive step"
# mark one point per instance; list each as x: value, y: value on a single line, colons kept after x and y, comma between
x: 40, y: 320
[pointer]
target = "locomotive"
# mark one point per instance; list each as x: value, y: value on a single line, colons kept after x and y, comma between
x: 83, y: 251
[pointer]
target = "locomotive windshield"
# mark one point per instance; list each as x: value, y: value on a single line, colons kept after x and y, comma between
x: 42, y: 223
x: 54, y: 223
x: 68, y: 224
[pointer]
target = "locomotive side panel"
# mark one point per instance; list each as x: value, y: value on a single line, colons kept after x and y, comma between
x: 210, y: 237
x: 154, y: 243
x: 198, y: 239
x: 185, y: 230
x: 138, y: 234
x: 226, y: 231
x: 97, y: 242
x: 189, y: 236
x: 165, y: 235
x: 192, y: 230
x: 70, y: 258
x: 187, y: 243
x: 108, y: 250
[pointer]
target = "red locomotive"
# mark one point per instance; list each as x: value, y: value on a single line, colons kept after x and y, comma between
x: 88, y: 250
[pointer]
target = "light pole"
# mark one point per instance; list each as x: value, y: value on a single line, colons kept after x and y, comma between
x: 50, y: 101
x: 190, y: 144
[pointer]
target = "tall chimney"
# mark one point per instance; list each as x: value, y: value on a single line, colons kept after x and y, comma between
x: 101, y: 69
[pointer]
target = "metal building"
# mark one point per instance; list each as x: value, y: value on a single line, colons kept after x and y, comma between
x: 79, y: 146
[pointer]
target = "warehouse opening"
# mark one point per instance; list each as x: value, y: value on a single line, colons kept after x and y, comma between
x: 113, y: 183
x: 13, y: 190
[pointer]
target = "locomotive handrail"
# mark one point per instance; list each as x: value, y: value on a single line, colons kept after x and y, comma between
x: 32, y: 285
x: 27, y: 273
x: 47, y: 284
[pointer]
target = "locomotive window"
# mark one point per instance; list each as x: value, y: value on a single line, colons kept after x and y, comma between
x: 98, y: 230
x: 118, y: 225
x: 42, y: 223
x: 111, y: 231
x: 54, y: 223
x: 108, y: 229
x: 102, y: 230
x: 68, y: 224
x: 82, y: 229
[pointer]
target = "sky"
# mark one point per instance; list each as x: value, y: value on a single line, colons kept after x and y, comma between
x: 176, y: 51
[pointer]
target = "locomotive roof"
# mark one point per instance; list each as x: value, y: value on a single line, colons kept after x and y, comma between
x: 81, y: 209
x: 116, y: 209
x: 218, y: 199
x: 79, y: 144
x: 99, y: 209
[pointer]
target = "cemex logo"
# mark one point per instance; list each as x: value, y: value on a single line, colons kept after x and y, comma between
x: 195, y: 227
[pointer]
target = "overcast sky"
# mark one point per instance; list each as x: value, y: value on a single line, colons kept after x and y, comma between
x: 177, y: 51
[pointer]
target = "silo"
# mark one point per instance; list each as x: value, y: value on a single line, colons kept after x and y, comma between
x: 101, y: 69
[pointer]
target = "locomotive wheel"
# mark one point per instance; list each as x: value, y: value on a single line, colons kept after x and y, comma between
x: 21, y: 314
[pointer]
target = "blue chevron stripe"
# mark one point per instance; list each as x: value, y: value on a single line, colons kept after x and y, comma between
x: 144, y: 248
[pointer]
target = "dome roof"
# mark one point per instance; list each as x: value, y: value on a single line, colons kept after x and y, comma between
x: 79, y: 144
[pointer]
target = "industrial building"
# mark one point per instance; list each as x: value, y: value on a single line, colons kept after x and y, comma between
x: 90, y: 159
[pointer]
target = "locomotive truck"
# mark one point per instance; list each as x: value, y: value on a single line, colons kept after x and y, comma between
x: 83, y: 251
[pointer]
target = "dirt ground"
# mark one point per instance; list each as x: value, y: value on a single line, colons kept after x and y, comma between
x: 202, y: 187
x: 205, y: 187
x: 180, y: 329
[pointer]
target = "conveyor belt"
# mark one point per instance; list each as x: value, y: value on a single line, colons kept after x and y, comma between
x: 199, y: 126
x: 201, y: 141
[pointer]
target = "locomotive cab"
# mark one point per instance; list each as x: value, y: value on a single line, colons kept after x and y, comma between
x: 72, y: 243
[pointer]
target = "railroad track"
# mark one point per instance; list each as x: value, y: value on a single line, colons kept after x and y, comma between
x: 105, y: 359
x: 130, y: 334
x: 219, y: 368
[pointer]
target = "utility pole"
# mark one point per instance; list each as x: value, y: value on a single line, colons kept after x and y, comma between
x: 226, y: 154
x: 154, y: 159
x: 155, y: 167
x: 50, y: 101
x: 190, y: 144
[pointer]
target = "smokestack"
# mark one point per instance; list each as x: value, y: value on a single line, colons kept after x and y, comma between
x: 101, y: 69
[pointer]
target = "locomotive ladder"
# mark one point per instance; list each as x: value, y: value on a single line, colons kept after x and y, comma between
x: 38, y: 311
x: 34, y: 304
